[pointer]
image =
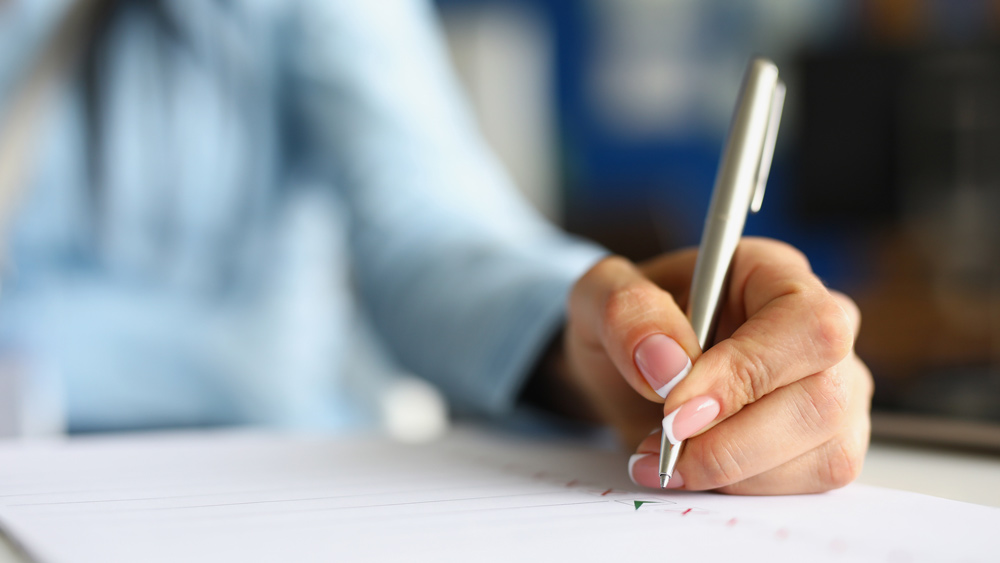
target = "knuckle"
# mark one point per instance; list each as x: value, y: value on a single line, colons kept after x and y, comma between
x: 627, y: 302
x: 842, y: 466
x: 832, y: 331
x: 718, y: 466
x: 596, y: 275
x: 798, y: 288
x: 750, y: 374
x: 609, y: 266
x: 601, y: 271
x: 868, y: 381
x: 848, y: 304
x: 600, y: 297
x: 775, y: 247
x: 582, y: 290
x: 794, y: 254
x: 828, y: 397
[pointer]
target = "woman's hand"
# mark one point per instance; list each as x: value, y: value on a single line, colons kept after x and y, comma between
x: 780, y: 404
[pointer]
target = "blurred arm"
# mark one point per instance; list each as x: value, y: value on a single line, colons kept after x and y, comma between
x: 465, y: 282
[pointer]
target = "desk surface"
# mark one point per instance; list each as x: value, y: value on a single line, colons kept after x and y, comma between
x: 951, y: 474
x: 963, y: 476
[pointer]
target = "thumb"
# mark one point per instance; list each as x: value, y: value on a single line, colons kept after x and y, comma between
x: 638, y: 325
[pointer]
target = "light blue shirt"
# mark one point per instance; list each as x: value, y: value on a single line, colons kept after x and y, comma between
x: 275, y: 176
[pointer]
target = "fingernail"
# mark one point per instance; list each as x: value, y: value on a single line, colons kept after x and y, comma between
x: 644, y: 471
x: 641, y: 474
x: 676, y: 481
x: 631, y: 465
x: 690, y: 417
x: 662, y: 362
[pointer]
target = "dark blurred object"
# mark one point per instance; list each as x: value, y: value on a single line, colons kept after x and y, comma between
x: 904, y: 145
x: 846, y: 164
x: 636, y: 230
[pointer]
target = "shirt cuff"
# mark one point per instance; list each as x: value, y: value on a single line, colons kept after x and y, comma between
x: 540, y: 314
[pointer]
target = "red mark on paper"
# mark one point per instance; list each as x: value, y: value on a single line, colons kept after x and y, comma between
x: 782, y: 534
x: 686, y: 511
x: 606, y: 492
x: 732, y: 522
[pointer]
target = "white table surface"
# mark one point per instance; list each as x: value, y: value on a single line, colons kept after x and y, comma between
x: 958, y: 475
x: 953, y: 474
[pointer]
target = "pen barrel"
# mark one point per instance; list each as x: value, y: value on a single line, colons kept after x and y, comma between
x: 711, y: 275
x: 736, y: 185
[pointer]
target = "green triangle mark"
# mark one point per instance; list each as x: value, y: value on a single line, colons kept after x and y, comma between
x: 639, y: 503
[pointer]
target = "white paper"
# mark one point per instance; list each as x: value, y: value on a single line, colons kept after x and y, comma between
x: 474, y: 496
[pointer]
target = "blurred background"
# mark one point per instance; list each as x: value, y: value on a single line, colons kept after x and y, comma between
x: 611, y: 114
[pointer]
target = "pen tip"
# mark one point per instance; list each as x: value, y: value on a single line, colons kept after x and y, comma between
x: 664, y: 479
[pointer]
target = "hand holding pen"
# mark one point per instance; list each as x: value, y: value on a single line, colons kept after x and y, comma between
x: 779, y: 403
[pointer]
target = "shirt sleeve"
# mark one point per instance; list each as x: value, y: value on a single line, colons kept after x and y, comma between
x: 464, y: 281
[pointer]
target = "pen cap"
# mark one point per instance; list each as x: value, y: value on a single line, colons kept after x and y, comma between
x: 746, y: 158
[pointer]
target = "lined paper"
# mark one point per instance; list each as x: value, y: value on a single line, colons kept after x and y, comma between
x: 473, y: 496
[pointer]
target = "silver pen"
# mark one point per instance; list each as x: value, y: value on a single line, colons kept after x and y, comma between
x: 739, y: 187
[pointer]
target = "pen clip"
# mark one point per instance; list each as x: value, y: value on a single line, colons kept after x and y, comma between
x: 767, y: 151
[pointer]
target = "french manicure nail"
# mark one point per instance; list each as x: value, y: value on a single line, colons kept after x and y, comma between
x: 662, y: 362
x: 676, y: 481
x: 690, y: 417
x: 643, y: 470
x: 631, y: 465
